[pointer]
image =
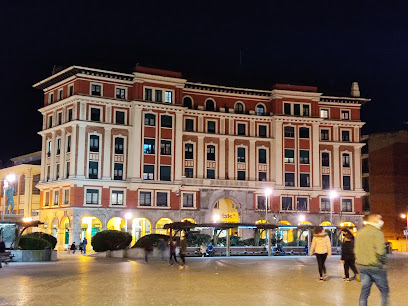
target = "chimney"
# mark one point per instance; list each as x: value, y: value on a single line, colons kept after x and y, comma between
x: 355, y: 90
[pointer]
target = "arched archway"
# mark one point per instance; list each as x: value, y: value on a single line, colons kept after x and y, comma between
x: 89, y: 227
x: 286, y: 234
x: 64, y: 232
x: 160, y: 224
x: 325, y: 223
x: 188, y: 219
x: 117, y: 224
x: 140, y: 227
x: 225, y: 211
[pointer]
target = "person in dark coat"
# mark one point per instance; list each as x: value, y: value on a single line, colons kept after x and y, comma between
x: 84, y: 244
x: 347, y: 257
x: 2, y: 246
x: 73, y: 248
x: 148, y: 247
x: 172, y: 246
x: 183, y: 249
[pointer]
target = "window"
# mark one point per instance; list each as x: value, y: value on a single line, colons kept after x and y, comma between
x: 49, y: 122
x: 165, y: 147
x: 117, y: 197
x: 304, y: 180
x: 325, y: 204
x: 96, y: 90
x: 188, y: 200
x: 210, y: 173
x: 211, y: 126
x: 260, y: 110
x: 262, y: 130
x: 262, y: 176
x: 148, y: 172
x: 324, y: 134
x: 166, y: 121
x: 92, y: 196
x: 261, y: 203
x: 262, y: 156
x: 289, y: 156
x: 346, y: 182
x: 286, y: 108
x: 66, y: 196
x: 188, y: 151
x: 61, y: 94
x: 187, y: 102
x: 345, y: 115
x: 148, y: 94
x: 241, y: 129
x: 36, y: 180
x: 145, y: 198
x: 188, y: 172
x: 241, y: 175
x: 306, y: 111
x: 150, y: 119
x: 71, y: 90
x: 70, y: 114
x: 118, y: 171
x: 56, y: 198
x: 241, y: 155
x: 47, y: 199
x: 165, y: 173
x: 148, y: 147
x: 303, y: 132
x: 120, y: 117
x: 290, y: 179
x: 94, y: 143
x: 95, y: 114
x: 68, y: 143
x: 93, y: 170
x: 49, y: 146
x: 324, y: 113
x: 189, y: 125
x: 239, y: 108
x: 57, y: 172
x: 51, y: 98
x: 301, y: 204
x: 325, y: 181
x: 159, y: 95
x: 59, y: 118
x: 209, y: 105
x: 67, y: 172
x: 168, y: 96
x: 161, y: 199
x: 296, y: 109
x: 289, y: 131
x: 346, y: 160
x: 119, y: 145
x: 287, y: 203
x: 58, y: 146
x: 347, y: 205
x: 210, y: 152
x: 48, y: 173
x: 304, y: 156
x: 345, y: 135
x: 325, y: 159
x: 120, y: 93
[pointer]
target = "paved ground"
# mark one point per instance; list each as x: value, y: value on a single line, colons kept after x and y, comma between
x: 86, y: 280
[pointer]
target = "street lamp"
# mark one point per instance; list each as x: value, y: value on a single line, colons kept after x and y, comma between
x: 333, y: 195
x: 268, y: 192
x: 128, y: 216
x: 404, y: 216
x: 8, y: 179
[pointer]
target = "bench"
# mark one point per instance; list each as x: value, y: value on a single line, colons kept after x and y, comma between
x: 5, y: 257
x: 249, y: 250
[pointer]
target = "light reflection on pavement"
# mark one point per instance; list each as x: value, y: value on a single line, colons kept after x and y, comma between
x: 87, y: 280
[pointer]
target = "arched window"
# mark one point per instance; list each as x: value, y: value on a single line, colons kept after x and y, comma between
x: 260, y: 110
x: 209, y: 105
x: 239, y: 108
x: 187, y: 102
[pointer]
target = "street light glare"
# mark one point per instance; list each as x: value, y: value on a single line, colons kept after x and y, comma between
x: 11, y: 178
x: 333, y: 194
x: 301, y: 218
x: 216, y: 218
x: 128, y: 215
x: 403, y: 216
x: 268, y: 191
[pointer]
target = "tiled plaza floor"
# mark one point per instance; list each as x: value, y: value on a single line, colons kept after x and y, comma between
x: 86, y: 280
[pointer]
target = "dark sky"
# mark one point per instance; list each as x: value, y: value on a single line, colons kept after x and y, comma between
x: 304, y: 42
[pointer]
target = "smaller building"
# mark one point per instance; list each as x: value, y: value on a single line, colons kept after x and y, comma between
x: 27, y: 170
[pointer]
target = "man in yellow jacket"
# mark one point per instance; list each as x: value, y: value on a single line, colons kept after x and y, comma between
x: 370, y: 252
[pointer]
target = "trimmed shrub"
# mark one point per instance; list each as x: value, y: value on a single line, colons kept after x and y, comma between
x: 110, y: 240
x: 196, y: 240
x: 33, y: 243
x: 51, y: 239
x: 154, y: 238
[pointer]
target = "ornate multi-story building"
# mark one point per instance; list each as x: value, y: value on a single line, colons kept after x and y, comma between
x: 136, y: 151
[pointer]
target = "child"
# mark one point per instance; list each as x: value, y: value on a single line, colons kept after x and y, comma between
x: 348, y: 258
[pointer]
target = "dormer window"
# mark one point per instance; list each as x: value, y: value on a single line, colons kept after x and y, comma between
x: 345, y: 115
x: 239, y: 108
x: 260, y: 110
x: 209, y: 105
x: 96, y: 90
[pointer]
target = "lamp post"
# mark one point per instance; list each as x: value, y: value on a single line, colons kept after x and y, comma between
x: 333, y: 195
x: 404, y: 216
x: 8, y: 179
x: 268, y: 192
x: 128, y: 216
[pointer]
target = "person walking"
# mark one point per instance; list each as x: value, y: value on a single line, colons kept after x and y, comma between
x: 348, y: 258
x: 73, y: 248
x: 321, y: 246
x: 370, y: 254
x: 172, y: 249
x: 183, y: 250
x: 84, y: 244
x: 162, y: 246
x: 148, y: 248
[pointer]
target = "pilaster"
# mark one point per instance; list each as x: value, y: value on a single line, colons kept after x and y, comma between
x: 107, y: 149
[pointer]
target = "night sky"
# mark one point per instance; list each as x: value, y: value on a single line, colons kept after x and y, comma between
x: 305, y: 43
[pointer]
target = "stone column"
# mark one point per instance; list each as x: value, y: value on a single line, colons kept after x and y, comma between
x: 107, y: 150
x: 231, y: 159
x: 315, y: 158
x: 221, y: 164
x: 135, y: 141
x: 336, y: 166
x: 357, y: 168
x: 178, y: 147
x: 53, y: 151
x: 200, y: 157
x: 81, y: 151
x: 73, y: 154
x: 43, y: 158
x: 252, y: 161
x: 63, y: 151
x: 27, y: 193
x: 278, y: 153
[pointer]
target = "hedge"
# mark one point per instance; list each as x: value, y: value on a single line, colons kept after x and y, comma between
x: 154, y: 238
x: 33, y: 243
x: 51, y: 239
x: 110, y: 240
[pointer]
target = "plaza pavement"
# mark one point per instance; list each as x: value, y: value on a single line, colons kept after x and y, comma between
x: 87, y: 280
